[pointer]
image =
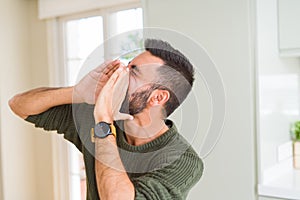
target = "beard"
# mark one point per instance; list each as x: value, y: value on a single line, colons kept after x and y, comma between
x: 136, y: 103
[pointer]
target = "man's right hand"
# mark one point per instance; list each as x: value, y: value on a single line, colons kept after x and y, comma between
x: 89, y: 87
x: 39, y: 100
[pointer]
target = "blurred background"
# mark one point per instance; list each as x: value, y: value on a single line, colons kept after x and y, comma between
x: 254, y: 44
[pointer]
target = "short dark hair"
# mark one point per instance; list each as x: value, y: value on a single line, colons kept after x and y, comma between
x: 176, y: 75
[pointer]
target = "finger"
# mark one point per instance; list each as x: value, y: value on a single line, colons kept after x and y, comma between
x: 107, y: 65
x: 106, y: 72
x: 109, y: 72
x: 122, y: 74
x: 120, y: 86
x: 119, y: 90
x: 108, y: 87
x: 123, y: 116
x: 122, y: 80
x: 112, y: 80
x: 111, y: 66
x: 100, y: 68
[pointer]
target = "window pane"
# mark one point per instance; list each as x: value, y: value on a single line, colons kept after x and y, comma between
x: 74, y: 66
x: 128, y: 20
x: 82, y: 36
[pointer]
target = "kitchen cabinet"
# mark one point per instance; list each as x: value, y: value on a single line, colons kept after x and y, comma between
x: 289, y: 27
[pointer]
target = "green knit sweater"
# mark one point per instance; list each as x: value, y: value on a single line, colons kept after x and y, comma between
x: 165, y: 168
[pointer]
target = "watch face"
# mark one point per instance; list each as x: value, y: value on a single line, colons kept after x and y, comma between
x: 102, y: 130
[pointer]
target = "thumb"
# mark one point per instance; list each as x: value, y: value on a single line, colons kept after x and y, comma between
x: 102, y: 66
x: 123, y: 116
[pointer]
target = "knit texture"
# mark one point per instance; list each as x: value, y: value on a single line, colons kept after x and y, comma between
x: 165, y: 168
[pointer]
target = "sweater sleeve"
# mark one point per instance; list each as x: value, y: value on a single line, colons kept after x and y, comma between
x: 59, y: 118
x: 171, y: 182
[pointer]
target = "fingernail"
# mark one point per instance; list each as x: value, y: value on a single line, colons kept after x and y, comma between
x: 115, y: 62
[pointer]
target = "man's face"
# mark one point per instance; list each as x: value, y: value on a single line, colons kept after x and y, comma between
x: 142, y: 74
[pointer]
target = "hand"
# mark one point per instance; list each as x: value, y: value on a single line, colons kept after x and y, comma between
x: 112, y: 95
x: 89, y: 87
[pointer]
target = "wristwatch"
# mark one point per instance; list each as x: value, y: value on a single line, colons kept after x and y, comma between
x: 102, y: 130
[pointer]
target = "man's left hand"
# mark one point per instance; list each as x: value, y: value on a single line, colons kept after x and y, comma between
x: 111, y: 97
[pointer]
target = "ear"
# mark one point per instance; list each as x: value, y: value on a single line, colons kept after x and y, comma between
x: 159, y: 97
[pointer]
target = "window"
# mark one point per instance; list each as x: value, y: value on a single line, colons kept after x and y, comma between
x: 80, y: 36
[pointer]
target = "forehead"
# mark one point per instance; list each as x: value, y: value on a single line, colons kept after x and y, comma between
x: 146, y: 66
x: 146, y: 59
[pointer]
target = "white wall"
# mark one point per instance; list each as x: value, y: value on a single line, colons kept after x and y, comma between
x: 17, y: 141
x: 24, y: 156
x: 1, y: 177
x: 224, y: 29
x: 40, y: 77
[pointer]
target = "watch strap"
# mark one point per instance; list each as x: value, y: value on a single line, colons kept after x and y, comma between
x: 113, y: 130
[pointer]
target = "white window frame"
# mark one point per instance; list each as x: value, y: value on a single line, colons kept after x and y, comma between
x: 58, y: 76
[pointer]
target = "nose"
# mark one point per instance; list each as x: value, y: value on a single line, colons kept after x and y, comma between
x: 129, y: 65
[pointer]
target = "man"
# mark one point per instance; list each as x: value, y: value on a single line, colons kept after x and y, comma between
x: 139, y: 153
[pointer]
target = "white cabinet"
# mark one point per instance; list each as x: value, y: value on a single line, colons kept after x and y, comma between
x: 289, y: 27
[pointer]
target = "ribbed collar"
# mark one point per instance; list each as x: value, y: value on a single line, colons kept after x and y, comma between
x: 155, y: 144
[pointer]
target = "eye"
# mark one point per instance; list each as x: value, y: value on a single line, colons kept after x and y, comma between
x: 134, y: 70
x: 133, y: 66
